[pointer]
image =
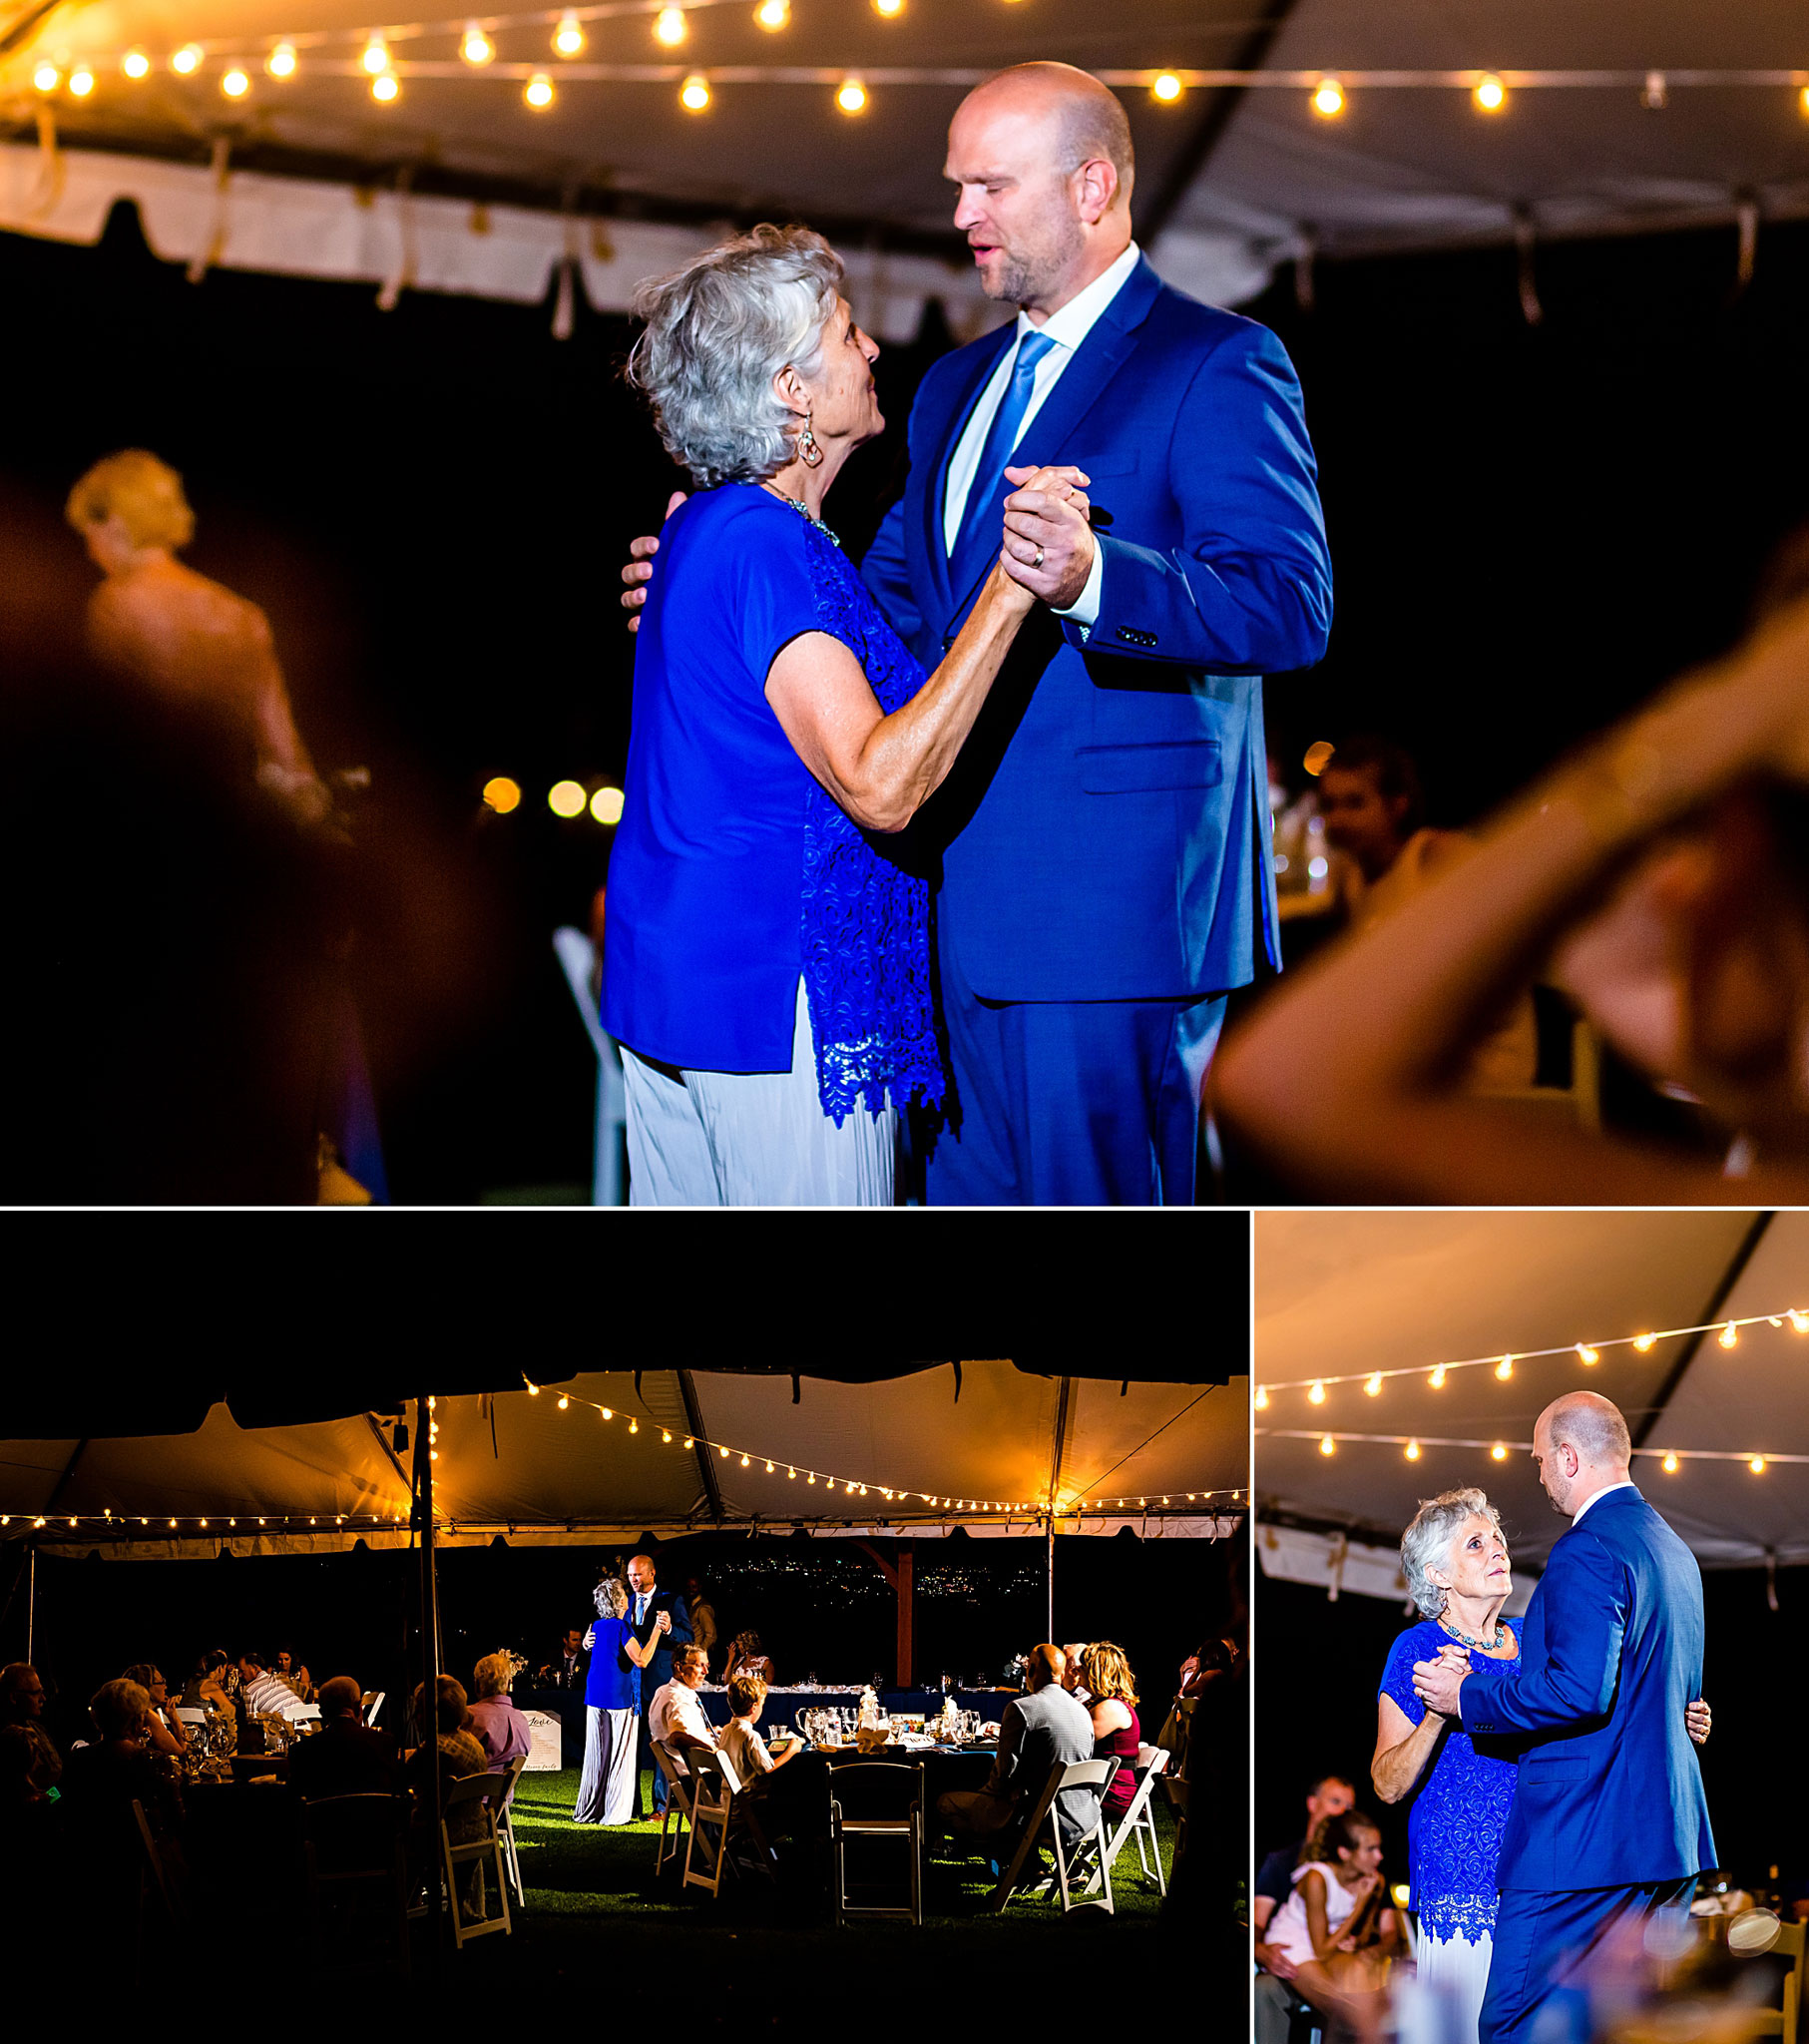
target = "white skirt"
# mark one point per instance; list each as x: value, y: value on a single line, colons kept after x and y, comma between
x: 1447, y: 2003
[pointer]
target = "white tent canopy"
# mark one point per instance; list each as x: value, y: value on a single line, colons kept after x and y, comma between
x: 1342, y: 1296
x: 517, y: 1464
x: 1652, y: 114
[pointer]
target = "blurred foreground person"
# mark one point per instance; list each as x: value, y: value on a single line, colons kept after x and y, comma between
x: 1667, y: 866
x: 1337, y: 1927
x: 193, y: 642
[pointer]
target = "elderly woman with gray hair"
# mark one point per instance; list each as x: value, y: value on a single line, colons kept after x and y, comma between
x: 766, y: 954
x: 1455, y: 1559
x: 608, y: 1791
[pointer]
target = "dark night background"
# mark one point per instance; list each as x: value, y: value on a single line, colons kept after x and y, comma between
x: 1531, y: 529
x: 1318, y: 1665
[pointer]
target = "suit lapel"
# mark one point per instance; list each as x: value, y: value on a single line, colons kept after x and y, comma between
x: 986, y: 358
x: 1089, y: 376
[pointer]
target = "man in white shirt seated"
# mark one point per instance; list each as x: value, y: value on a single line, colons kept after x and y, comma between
x: 676, y: 1716
x: 266, y: 1695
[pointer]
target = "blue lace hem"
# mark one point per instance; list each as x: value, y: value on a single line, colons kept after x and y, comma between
x: 1471, y: 1917
x: 867, y: 921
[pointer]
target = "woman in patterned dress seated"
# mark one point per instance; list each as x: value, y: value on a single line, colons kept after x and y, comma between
x: 766, y: 959
x: 1456, y: 1564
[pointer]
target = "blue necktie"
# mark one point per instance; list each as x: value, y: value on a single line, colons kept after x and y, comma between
x: 982, y: 523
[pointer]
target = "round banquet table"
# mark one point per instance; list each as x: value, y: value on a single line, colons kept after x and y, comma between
x: 783, y: 1705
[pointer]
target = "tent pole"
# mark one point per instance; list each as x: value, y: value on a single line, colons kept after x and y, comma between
x: 1049, y: 1570
x: 428, y: 1731
x: 31, y: 1596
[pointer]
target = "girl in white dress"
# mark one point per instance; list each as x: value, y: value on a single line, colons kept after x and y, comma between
x: 1338, y: 1926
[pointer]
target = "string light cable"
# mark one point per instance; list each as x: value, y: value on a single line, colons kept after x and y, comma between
x: 1727, y: 1333
x: 1670, y: 1459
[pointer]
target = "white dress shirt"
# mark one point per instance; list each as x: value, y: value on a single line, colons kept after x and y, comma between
x: 1067, y: 328
x: 1626, y: 1483
x: 675, y: 1704
x: 270, y: 1697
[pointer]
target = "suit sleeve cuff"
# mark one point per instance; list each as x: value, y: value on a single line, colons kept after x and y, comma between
x: 1084, y: 610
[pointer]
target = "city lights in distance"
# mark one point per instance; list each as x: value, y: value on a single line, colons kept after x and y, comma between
x: 1167, y: 87
x: 376, y: 56
x: 186, y: 60
x: 606, y: 806
x: 852, y: 96
x: 47, y: 77
x: 774, y: 15
x: 385, y: 87
x: 568, y: 38
x: 670, y: 27
x: 280, y: 63
x: 1328, y: 99
x: 502, y: 794
x: 567, y: 798
x: 81, y: 81
x: 476, y: 47
x: 136, y: 64
x: 236, y: 83
x: 539, y: 92
x: 693, y: 97
x: 1491, y: 94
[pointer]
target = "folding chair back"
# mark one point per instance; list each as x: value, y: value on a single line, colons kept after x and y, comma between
x: 479, y: 1853
x: 354, y: 1851
x: 373, y: 1702
x: 1138, y: 1820
x: 713, y: 1789
x: 1072, y: 1860
x: 307, y: 1714
x: 878, y: 1799
x: 504, y: 1823
x: 677, y: 1798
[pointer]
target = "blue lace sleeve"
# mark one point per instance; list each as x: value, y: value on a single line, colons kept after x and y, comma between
x: 1397, y: 1675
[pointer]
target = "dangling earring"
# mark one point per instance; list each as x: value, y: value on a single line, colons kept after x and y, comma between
x: 809, y: 454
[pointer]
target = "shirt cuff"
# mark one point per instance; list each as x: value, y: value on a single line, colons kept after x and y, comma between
x: 1084, y: 609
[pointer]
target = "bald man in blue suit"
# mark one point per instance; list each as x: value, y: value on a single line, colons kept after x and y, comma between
x: 1609, y: 1825
x: 1102, y: 846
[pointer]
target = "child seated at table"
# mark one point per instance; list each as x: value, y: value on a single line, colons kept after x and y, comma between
x: 742, y: 1744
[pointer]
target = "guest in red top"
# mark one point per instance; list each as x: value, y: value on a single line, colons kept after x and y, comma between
x: 1115, y: 1732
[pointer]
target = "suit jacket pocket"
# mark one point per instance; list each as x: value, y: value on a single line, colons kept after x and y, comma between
x: 1142, y: 770
x: 1559, y: 1769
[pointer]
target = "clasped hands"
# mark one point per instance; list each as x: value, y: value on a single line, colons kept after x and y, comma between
x: 1437, y: 1683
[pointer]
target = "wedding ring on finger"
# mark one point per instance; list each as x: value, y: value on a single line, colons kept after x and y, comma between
x: 1038, y: 562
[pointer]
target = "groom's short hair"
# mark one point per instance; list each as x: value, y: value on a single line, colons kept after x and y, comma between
x: 1092, y: 117
x: 1588, y: 1422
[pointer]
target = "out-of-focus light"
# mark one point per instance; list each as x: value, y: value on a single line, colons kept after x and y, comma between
x: 568, y: 37
x: 1799, y: 1321
x: 1728, y: 1335
x: 1498, y: 1451
x: 1318, y: 758
x: 1491, y: 94
x: 376, y: 56
x: 693, y: 97
x: 1505, y: 1368
x: 1327, y: 1446
x: 1437, y: 1378
x: 502, y: 793
x: 852, y: 96
x: 386, y: 86
x: 1262, y: 1399
x: 236, y: 83
x: 186, y: 60
x: 81, y: 81
x: 1586, y: 1353
x: 136, y: 64
x: 773, y: 14
x: 1758, y: 1465
x: 1374, y: 1386
x: 538, y: 94
x: 1655, y: 95
x: 47, y: 77
x: 1328, y: 99
x: 474, y: 46
x: 670, y: 27
x: 1401, y: 1893
x: 1317, y: 869
x: 1167, y: 87
x: 1643, y: 1341
x: 889, y: 8
x: 606, y: 806
x: 280, y: 63
x: 567, y: 798
x: 1316, y: 1397
x: 1413, y: 1451
x: 1669, y: 1465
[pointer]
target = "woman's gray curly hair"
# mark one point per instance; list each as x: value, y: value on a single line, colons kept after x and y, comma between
x: 717, y: 332
x: 611, y: 1599
x: 1427, y: 1541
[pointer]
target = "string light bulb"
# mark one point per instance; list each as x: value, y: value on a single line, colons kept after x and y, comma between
x: 1373, y: 1388
x: 1586, y: 1353
x: 376, y: 56
x: 1669, y: 1465
x: 1505, y: 1368
x: 1491, y: 94
x: 1413, y: 1451
x: 539, y: 94
x: 1758, y: 1465
x: 1327, y: 1446
x: 666, y: 1434
x: 851, y: 96
x: 136, y: 65
x: 1262, y: 1399
x: 1498, y: 1451
x: 474, y: 46
x: 1728, y: 1335
x: 1799, y: 1321
x: 1643, y: 1342
x: 564, y: 1402
x: 47, y: 77
x: 1316, y: 1397
x: 1165, y: 87
x: 386, y: 87
x: 1802, y: 100
x: 1437, y: 1378
x: 774, y: 15
x: 890, y: 9
x: 633, y: 1426
x: 234, y: 83
x: 670, y: 27
x: 568, y: 38
x: 280, y: 63
x: 1328, y: 99
x: 81, y: 81
x: 186, y: 60
x: 724, y: 1452
x: 693, y: 97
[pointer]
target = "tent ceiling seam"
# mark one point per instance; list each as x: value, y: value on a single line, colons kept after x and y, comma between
x: 694, y: 1419
x: 1730, y: 1276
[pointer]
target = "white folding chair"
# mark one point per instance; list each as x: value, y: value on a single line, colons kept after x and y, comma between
x: 1072, y: 1861
x: 578, y: 957
x: 677, y: 1799
x: 350, y: 1845
x: 713, y: 1789
x: 373, y: 1702
x: 510, y: 1776
x: 1138, y: 1820
x: 307, y: 1713
x: 482, y: 1852
x: 189, y: 1714
x: 854, y: 1790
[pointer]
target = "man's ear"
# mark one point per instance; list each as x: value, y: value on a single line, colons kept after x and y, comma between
x: 1097, y: 188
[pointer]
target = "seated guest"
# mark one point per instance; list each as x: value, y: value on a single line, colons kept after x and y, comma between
x: 1276, y: 1998
x: 1037, y: 1731
x: 166, y: 1732
x: 265, y: 1693
x: 455, y: 1750
x: 22, y: 1703
x: 740, y: 1743
x: 746, y: 1655
x: 287, y: 1668
x: 1072, y: 1679
x: 1117, y: 1734
x: 676, y: 1717
x: 214, y: 1684
x: 1337, y: 1926
x: 345, y: 1757
x: 567, y: 1668
x: 499, y: 1728
x: 104, y: 1777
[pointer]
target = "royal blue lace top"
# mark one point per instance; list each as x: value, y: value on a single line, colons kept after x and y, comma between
x: 732, y: 873
x: 1460, y: 1806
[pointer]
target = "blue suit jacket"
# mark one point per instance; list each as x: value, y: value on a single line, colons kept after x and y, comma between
x: 1105, y: 833
x: 1610, y: 1792
x: 658, y: 1670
